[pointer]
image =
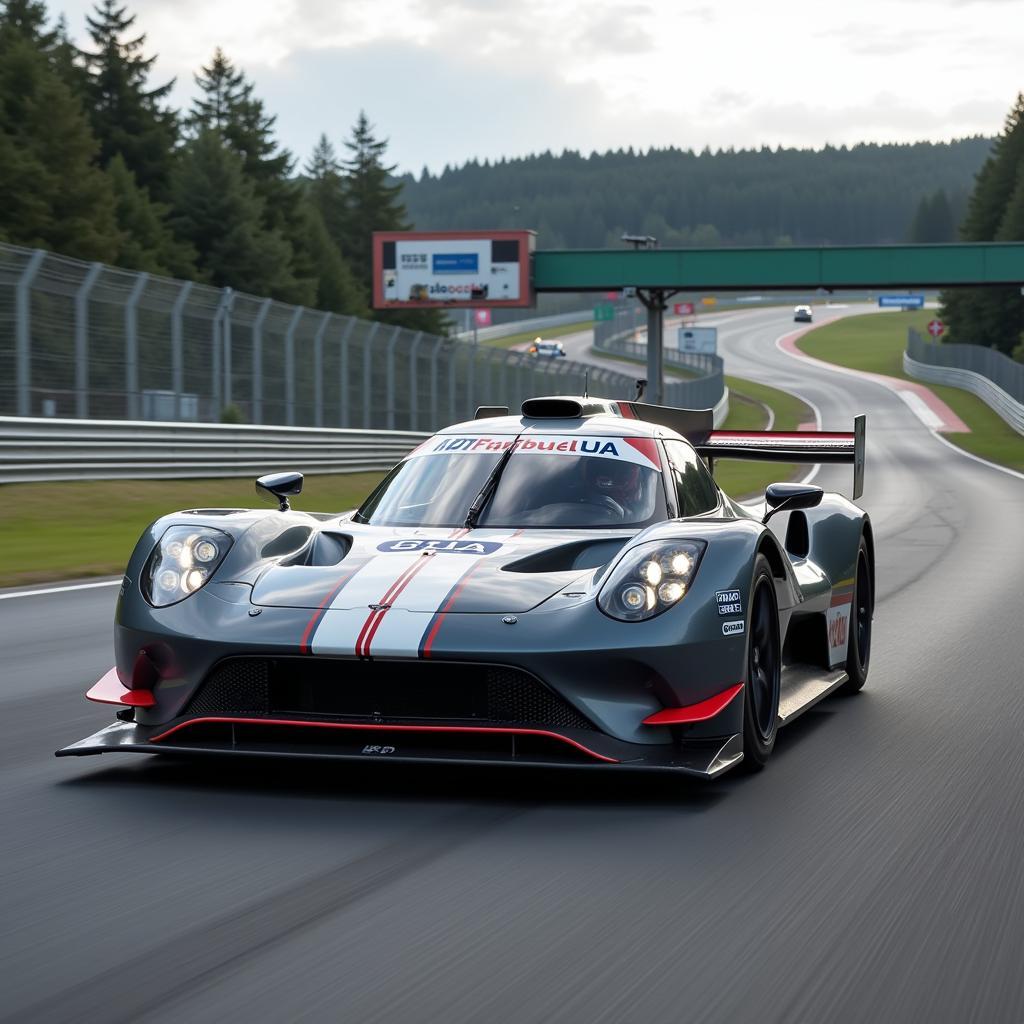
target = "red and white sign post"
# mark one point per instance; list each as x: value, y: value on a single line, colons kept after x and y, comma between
x: 936, y: 328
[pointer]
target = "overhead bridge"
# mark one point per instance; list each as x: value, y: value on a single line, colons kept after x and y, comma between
x: 798, y: 267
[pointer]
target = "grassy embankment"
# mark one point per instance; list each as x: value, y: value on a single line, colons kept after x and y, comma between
x: 68, y: 530
x: 876, y: 342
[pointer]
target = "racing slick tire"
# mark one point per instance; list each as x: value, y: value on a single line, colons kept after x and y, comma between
x: 858, y: 652
x: 764, y: 670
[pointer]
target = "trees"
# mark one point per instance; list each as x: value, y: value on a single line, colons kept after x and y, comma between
x: 218, y: 212
x: 995, y: 212
x: 55, y: 196
x: 933, y: 219
x: 127, y: 116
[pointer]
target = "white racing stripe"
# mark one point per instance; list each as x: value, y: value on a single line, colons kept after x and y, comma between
x: 61, y: 590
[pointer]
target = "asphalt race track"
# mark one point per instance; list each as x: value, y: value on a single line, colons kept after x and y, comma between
x: 873, y: 872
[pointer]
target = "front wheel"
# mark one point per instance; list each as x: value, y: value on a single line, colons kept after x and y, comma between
x: 764, y: 670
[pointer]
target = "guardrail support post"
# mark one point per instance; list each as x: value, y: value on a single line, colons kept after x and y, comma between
x: 178, y: 347
x: 343, y: 373
x: 256, y: 410
x: 23, y: 332
x: 289, y: 366
x: 318, y: 370
x: 390, y: 401
x: 82, y: 341
x: 367, y: 373
x: 413, y: 383
x: 131, y: 346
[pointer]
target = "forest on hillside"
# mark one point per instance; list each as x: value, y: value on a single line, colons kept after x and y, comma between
x: 868, y: 193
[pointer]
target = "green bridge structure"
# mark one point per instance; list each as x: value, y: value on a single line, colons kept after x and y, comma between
x: 657, y: 274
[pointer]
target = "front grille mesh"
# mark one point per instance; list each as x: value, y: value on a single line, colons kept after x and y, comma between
x: 326, y: 688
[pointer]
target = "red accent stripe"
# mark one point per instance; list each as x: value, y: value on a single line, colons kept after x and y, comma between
x: 841, y: 599
x: 626, y: 411
x: 319, y: 613
x: 645, y: 446
x: 699, y: 712
x: 110, y: 690
x: 368, y: 640
x: 429, y: 642
x: 388, y: 728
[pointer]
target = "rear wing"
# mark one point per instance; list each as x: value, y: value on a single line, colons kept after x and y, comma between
x: 809, y: 446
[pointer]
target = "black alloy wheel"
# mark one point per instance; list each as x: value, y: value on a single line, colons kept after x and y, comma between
x: 858, y: 652
x: 764, y: 670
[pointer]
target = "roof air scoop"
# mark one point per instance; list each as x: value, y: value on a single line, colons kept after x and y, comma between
x: 562, y: 408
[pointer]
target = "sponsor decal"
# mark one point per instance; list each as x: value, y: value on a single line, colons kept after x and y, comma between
x: 441, y: 547
x: 413, y: 260
x: 732, y: 628
x: 640, y: 451
x: 377, y: 748
x: 837, y: 620
x: 455, y: 263
x: 729, y: 602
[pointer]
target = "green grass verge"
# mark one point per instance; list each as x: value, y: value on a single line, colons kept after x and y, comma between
x: 547, y: 333
x: 68, y: 530
x: 876, y: 341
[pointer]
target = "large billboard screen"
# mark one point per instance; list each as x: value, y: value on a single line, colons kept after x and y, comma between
x: 451, y: 269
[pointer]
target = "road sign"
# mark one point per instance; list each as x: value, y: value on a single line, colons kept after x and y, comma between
x: 901, y: 301
x: 482, y: 317
x: 709, y: 300
x: 612, y: 296
x: 697, y: 339
x: 604, y: 312
x: 936, y: 328
x: 683, y: 309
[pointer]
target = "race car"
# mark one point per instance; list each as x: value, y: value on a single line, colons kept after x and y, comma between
x: 803, y: 314
x: 563, y: 587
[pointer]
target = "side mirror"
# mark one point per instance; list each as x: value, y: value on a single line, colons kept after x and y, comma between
x: 278, y: 487
x: 786, y: 497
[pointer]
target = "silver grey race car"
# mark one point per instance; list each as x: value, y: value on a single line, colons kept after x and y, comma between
x: 568, y: 586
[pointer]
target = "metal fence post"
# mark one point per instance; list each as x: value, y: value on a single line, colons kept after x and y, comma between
x: 178, y: 347
x: 438, y: 342
x: 226, y: 337
x: 318, y: 370
x: 82, y: 341
x: 289, y: 366
x: 256, y: 411
x: 343, y: 373
x: 215, y: 340
x: 367, y: 375
x: 471, y: 378
x: 390, y: 401
x: 413, y: 383
x: 131, y: 346
x: 23, y: 333
x: 452, y: 353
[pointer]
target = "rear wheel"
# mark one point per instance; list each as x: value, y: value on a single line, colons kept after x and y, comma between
x: 858, y: 650
x: 764, y: 670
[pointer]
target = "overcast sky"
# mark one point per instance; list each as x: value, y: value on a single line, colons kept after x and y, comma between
x: 448, y: 80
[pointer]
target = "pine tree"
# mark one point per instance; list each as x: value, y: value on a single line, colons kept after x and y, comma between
x: 218, y: 212
x: 373, y: 203
x: 127, y: 116
x: 54, y: 195
x: 148, y: 242
x: 326, y: 190
x: 336, y: 286
x: 979, y: 315
x: 223, y: 90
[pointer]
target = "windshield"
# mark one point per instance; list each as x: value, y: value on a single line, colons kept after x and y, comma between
x: 550, y: 481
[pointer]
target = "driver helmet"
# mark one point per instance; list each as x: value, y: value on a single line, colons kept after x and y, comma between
x: 621, y: 481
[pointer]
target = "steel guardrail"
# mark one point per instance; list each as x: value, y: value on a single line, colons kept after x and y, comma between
x: 42, y: 449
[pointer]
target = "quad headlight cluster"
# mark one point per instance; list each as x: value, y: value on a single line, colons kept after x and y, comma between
x: 182, y: 561
x: 650, y: 579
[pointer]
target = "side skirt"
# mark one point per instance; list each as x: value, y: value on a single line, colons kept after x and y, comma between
x: 803, y: 686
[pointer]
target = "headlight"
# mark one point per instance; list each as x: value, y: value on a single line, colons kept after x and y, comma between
x: 651, y: 578
x: 182, y: 561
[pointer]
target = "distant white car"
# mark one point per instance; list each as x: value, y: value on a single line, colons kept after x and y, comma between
x: 803, y: 314
x: 548, y: 349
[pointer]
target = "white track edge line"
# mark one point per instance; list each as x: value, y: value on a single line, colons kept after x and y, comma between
x: 61, y: 590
